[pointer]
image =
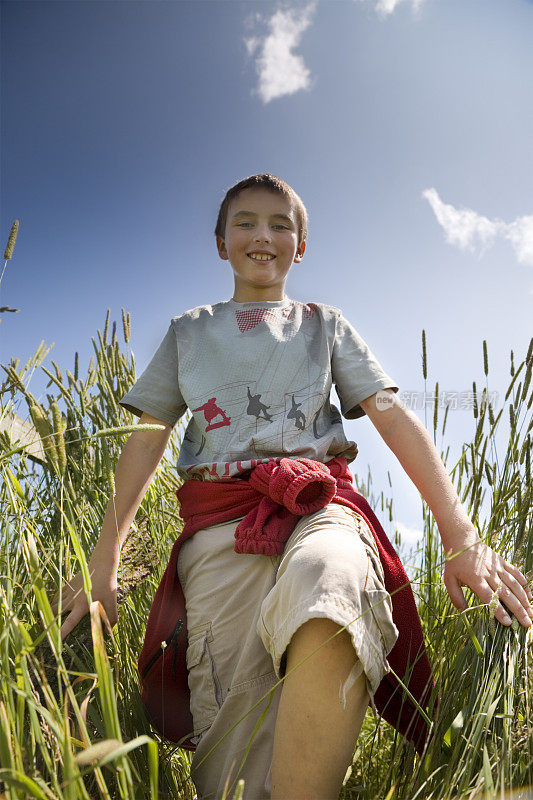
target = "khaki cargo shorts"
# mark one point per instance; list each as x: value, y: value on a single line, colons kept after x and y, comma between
x: 242, y: 611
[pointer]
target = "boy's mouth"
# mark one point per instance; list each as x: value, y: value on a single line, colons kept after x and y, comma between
x: 261, y: 258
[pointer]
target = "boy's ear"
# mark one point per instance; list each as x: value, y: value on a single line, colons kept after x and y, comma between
x: 300, y: 252
x: 221, y: 247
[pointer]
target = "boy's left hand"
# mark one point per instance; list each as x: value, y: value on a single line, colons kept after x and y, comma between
x: 483, y: 570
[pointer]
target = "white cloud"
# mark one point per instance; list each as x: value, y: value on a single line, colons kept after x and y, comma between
x: 279, y: 69
x: 386, y: 7
x: 520, y: 234
x: 468, y: 230
x: 408, y: 535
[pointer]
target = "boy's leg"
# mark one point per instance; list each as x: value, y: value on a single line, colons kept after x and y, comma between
x: 329, y: 577
x: 315, y: 735
x: 230, y: 671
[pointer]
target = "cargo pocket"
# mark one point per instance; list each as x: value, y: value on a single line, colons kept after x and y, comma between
x: 275, y: 561
x: 202, y: 677
x: 367, y: 538
x: 380, y: 604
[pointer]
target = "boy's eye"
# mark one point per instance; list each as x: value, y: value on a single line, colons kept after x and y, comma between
x: 276, y: 225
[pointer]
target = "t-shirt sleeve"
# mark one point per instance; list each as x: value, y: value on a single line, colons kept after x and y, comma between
x: 157, y: 390
x: 356, y: 372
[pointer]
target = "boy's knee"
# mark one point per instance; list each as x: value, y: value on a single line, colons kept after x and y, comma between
x: 318, y: 632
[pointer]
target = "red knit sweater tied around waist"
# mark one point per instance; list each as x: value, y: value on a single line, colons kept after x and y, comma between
x: 271, y: 500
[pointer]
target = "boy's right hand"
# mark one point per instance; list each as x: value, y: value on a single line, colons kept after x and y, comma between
x: 104, y: 588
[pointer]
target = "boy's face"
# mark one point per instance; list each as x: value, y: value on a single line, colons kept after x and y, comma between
x: 261, y: 243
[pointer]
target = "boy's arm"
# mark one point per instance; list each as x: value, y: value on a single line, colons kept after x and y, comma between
x: 135, y: 469
x: 478, y: 567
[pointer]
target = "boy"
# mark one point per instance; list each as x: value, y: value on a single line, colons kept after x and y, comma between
x: 256, y: 372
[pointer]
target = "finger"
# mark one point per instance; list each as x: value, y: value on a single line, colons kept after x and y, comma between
x: 485, y: 592
x: 54, y: 605
x: 456, y: 593
x: 66, y: 592
x: 512, y: 603
x: 70, y: 623
x: 521, y: 579
x: 66, y: 602
x: 516, y: 588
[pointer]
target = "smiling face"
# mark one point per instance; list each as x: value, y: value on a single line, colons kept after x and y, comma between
x: 261, y: 243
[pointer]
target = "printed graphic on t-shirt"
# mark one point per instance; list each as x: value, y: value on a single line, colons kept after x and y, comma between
x: 296, y: 415
x: 256, y: 407
x: 268, y: 424
x: 249, y: 318
x: 257, y: 380
x: 334, y: 418
x: 188, y: 437
x: 211, y: 412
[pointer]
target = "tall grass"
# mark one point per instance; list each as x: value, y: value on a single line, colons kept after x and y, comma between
x: 72, y: 725
x: 71, y: 721
x: 482, y: 732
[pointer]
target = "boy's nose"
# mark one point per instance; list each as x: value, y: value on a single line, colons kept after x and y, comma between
x: 262, y: 235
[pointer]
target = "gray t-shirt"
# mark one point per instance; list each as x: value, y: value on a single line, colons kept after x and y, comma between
x: 256, y: 378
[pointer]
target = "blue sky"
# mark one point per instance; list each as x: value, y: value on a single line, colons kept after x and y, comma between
x: 405, y: 126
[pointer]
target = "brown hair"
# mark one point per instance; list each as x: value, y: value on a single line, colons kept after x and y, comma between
x: 273, y: 184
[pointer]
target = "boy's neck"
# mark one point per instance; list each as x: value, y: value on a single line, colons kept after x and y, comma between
x: 258, y: 297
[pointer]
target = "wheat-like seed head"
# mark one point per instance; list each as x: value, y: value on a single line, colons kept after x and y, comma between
x: 44, y: 429
x: 106, y: 326
x: 12, y: 239
x: 59, y: 437
x: 126, y: 326
x: 494, y: 602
